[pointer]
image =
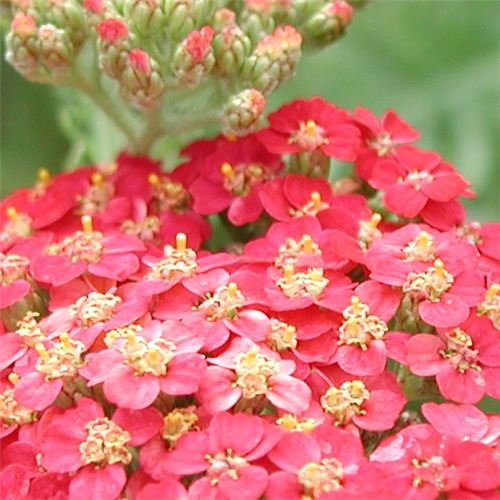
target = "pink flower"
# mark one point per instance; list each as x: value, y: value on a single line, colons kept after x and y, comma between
x: 444, y: 295
x: 363, y: 333
x: 248, y: 373
x: 327, y: 464
x: 414, y: 181
x: 413, y: 248
x: 109, y: 255
x: 214, y: 304
x: 295, y: 196
x: 300, y: 242
x: 14, y: 278
x: 371, y: 403
x: 463, y: 422
x: 466, y: 360
x: 311, y: 125
x: 421, y: 463
x: 112, y: 30
x: 161, y: 357
x: 381, y: 137
x: 94, y: 448
x: 233, y: 177
x: 225, y: 453
x: 56, y: 362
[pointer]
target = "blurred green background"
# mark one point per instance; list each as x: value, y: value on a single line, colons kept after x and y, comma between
x: 436, y: 62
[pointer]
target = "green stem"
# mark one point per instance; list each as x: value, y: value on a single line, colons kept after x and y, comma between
x: 152, y: 130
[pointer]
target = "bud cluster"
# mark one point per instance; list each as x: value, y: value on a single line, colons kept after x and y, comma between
x: 233, y: 53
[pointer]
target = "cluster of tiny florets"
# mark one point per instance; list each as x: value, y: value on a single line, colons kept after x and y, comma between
x: 239, y: 326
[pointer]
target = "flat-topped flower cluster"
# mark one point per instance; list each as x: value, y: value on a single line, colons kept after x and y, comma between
x: 334, y: 347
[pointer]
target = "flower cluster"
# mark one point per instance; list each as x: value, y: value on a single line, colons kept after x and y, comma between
x: 241, y: 326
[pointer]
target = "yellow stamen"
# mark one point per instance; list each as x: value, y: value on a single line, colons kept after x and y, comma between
x: 310, y: 128
x: 131, y: 338
x: 154, y: 180
x: 64, y: 339
x: 316, y: 200
x: 13, y: 378
x: 227, y: 170
x: 288, y: 272
x: 439, y: 267
x: 307, y: 242
x: 375, y: 220
x: 232, y: 289
x: 12, y: 213
x: 41, y: 351
x: 97, y: 179
x: 355, y: 304
x: 423, y: 240
x: 87, y: 225
x: 492, y: 291
x: 43, y: 176
x: 181, y: 242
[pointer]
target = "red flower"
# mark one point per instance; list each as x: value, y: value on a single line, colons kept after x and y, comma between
x: 417, y: 182
x: 225, y: 453
x: 381, y: 138
x: 109, y: 255
x: 466, y: 360
x: 112, y: 30
x: 233, y: 177
x: 295, y: 196
x: 310, y: 125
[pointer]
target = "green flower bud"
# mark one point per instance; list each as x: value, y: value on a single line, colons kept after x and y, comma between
x: 231, y: 48
x: 56, y: 50
x: 274, y: 60
x: 242, y: 112
x: 141, y: 82
x: 194, y: 59
x: 144, y: 16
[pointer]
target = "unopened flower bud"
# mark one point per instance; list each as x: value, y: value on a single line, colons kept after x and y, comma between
x: 242, y: 112
x: 328, y: 23
x: 184, y: 16
x: 231, y: 48
x: 141, y: 82
x: 256, y: 19
x: 56, y: 49
x: 224, y: 17
x: 144, y: 16
x: 194, y: 58
x: 67, y: 15
x: 274, y: 60
x: 113, y: 44
x: 22, y: 45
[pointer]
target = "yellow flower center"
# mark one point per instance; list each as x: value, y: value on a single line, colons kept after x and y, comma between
x: 490, y: 306
x: 293, y: 423
x: 421, y: 249
x: 178, y: 262
x: 253, y: 371
x: 346, y: 401
x: 302, y: 284
x: 147, y: 357
x: 177, y: 423
x: 94, y: 308
x: 282, y: 336
x: 12, y: 268
x: 290, y: 252
x: 368, y: 231
x: 431, y: 284
x: 318, y: 478
x: 224, y: 303
x: 460, y: 351
x: 360, y: 327
x: 63, y: 359
x: 308, y: 136
x: 106, y: 443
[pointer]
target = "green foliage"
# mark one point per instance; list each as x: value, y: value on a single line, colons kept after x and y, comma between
x: 436, y: 63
